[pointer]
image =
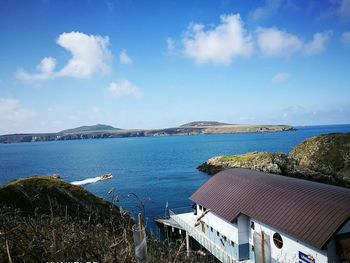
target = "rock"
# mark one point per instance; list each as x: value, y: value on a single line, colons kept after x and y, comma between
x: 261, y: 161
x: 326, y: 154
x: 324, y: 158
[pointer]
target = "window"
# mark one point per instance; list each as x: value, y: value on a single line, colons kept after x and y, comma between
x: 252, y: 225
x: 211, y: 229
x: 203, y: 227
x: 222, y: 242
x: 204, y: 209
x: 217, y: 233
x: 232, y: 243
x: 277, y: 240
x: 200, y: 207
x: 224, y: 237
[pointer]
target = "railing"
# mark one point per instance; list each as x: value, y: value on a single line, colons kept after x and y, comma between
x: 214, y: 249
x: 181, y: 210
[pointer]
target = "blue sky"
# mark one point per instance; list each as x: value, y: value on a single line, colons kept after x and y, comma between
x: 154, y: 64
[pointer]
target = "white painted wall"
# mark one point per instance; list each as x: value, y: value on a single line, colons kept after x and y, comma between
x: 291, y: 247
x: 221, y: 225
x: 241, y: 233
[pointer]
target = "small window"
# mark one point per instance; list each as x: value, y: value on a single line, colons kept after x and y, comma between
x: 225, y: 238
x: 203, y: 227
x: 252, y: 225
x: 232, y: 243
x: 222, y: 242
x: 277, y: 240
x: 204, y: 209
x: 200, y: 207
x: 217, y: 233
x: 211, y: 229
x: 207, y: 226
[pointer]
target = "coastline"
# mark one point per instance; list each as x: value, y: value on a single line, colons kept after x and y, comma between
x: 120, y: 133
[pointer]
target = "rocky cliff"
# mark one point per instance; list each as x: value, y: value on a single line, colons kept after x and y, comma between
x: 324, y: 158
x: 105, y: 131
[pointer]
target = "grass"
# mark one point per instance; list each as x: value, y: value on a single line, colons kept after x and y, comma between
x: 326, y: 153
x: 44, y: 219
x: 248, y: 157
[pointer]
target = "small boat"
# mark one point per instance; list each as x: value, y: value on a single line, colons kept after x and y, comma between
x: 106, y: 176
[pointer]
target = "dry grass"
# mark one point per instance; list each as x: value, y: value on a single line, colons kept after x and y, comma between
x: 55, y: 238
x: 47, y: 220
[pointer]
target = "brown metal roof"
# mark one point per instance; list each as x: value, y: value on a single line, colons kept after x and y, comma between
x: 309, y: 211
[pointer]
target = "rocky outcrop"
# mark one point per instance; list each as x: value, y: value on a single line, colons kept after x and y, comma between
x: 262, y: 161
x: 326, y: 154
x: 324, y: 158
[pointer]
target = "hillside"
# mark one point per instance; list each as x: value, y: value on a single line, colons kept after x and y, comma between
x: 92, y: 128
x: 324, y: 158
x: 44, y: 219
x: 105, y: 131
x: 50, y: 194
x: 203, y: 123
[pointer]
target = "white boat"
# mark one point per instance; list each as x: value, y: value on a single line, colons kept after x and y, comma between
x: 106, y: 176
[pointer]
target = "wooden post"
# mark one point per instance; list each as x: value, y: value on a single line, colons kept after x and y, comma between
x: 263, y: 246
x: 187, y: 244
x: 140, y: 225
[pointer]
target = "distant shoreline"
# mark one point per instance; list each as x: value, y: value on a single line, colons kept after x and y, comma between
x: 103, y: 132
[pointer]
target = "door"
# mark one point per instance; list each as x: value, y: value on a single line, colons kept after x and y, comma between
x: 262, y: 249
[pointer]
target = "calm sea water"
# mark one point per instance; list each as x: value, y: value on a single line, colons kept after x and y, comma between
x: 156, y: 169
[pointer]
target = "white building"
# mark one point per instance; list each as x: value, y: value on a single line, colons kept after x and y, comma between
x: 252, y: 216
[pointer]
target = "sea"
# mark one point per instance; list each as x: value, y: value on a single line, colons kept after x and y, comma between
x: 149, y: 172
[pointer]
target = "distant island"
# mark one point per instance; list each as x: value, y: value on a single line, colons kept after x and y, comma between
x: 324, y: 158
x: 107, y: 131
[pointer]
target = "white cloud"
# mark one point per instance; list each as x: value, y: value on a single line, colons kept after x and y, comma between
x: 13, y: 114
x: 220, y: 44
x: 338, y: 8
x: 345, y: 38
x: 344, y: 9
x: 123, y: 88
x: 170, y: 45
x: 280, y: 77
x: 90, y: 54
x: 124, y: 58
x: 318, y: 43
x: 270, y: 8
x: 46, y: 70
x: 277, y: 43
